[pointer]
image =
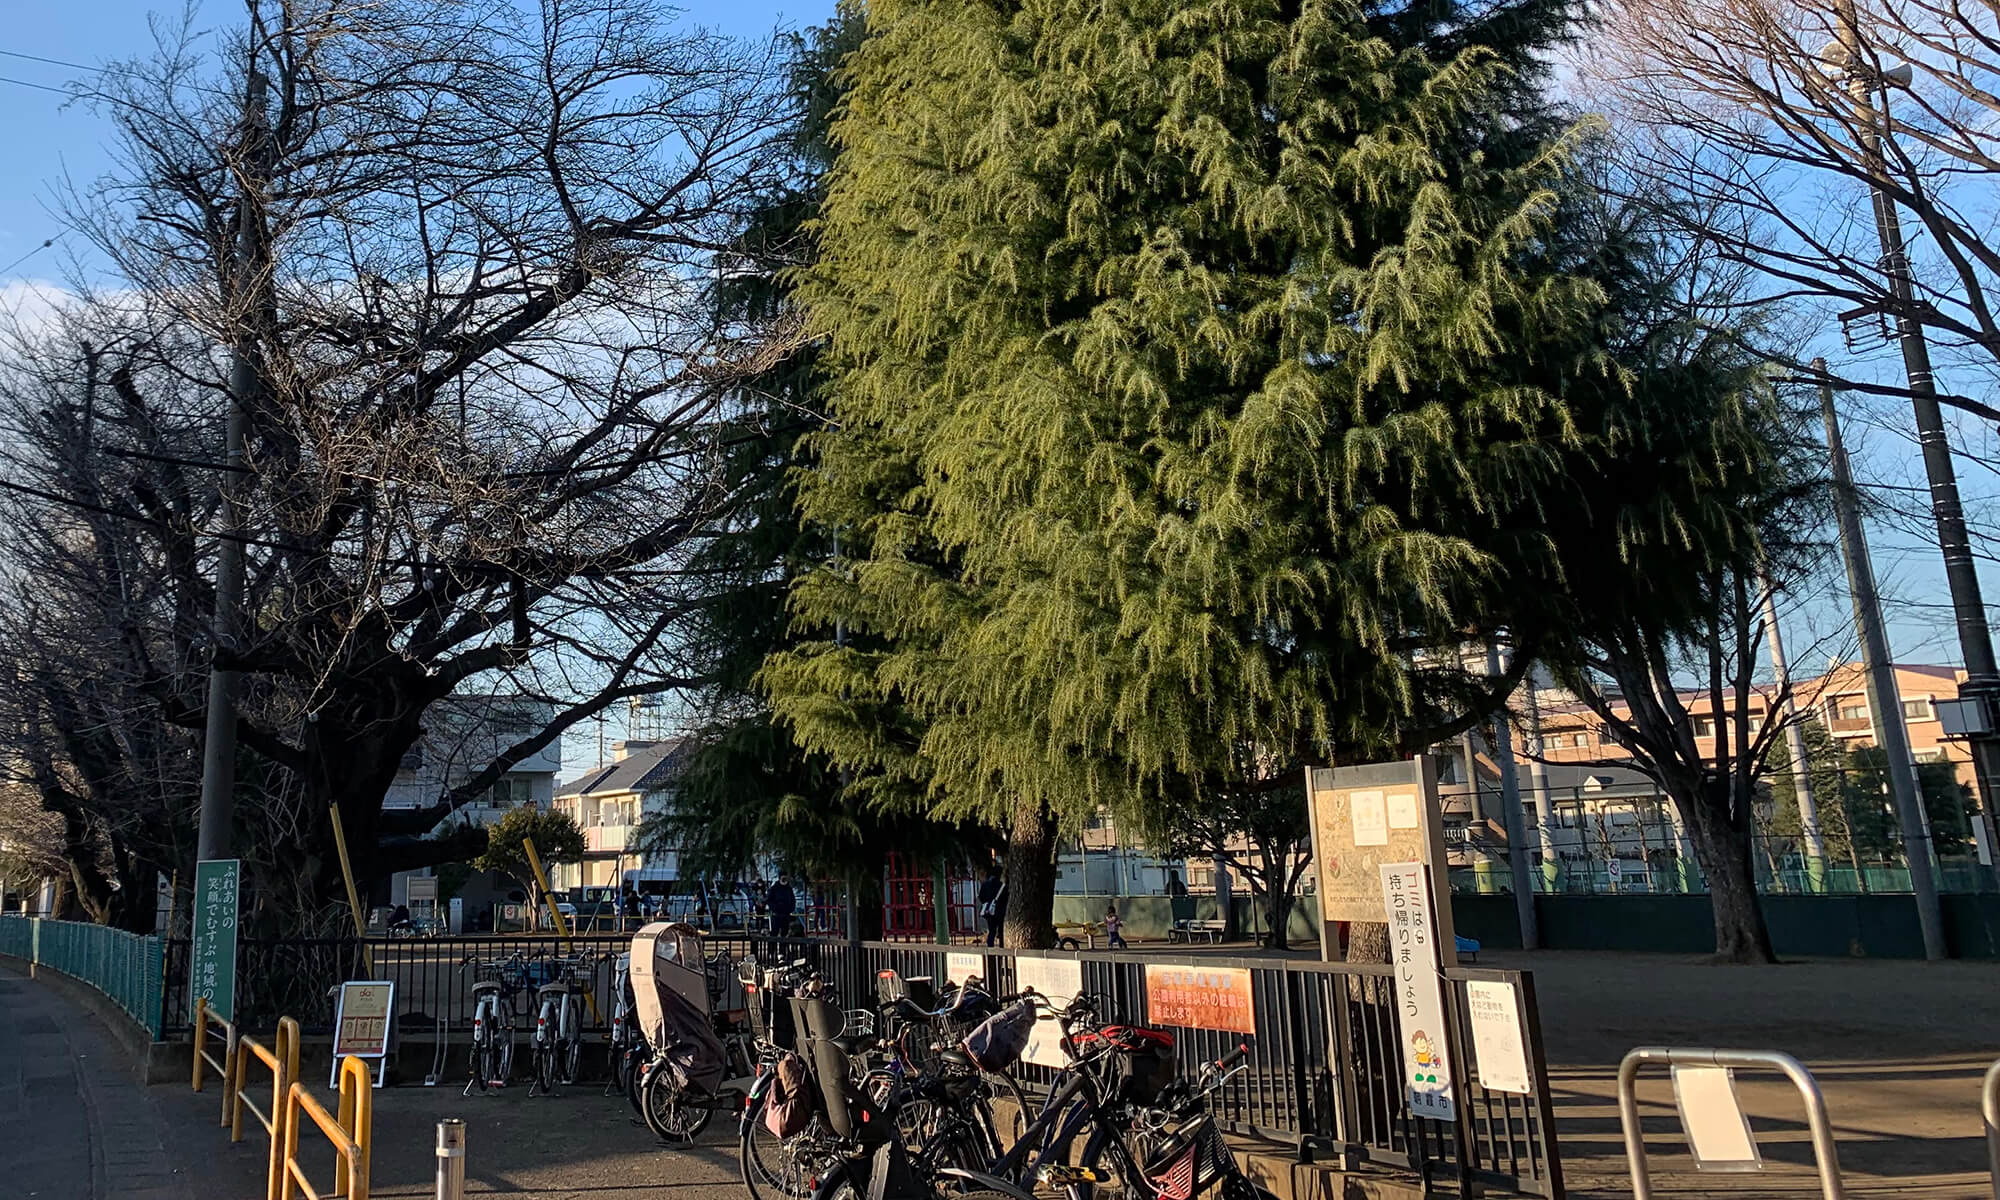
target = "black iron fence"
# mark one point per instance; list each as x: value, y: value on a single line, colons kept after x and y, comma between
x: 1325, y: 1076
x: 1325, y: 1073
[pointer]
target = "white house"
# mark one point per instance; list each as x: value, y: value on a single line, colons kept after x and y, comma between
x: 608, y: 802
x: 463, y: 735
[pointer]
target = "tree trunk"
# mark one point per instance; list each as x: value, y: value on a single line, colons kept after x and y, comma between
x: 1722, y: 846
x: 1277, y: 898
x: 1368, y: 942
x: 1031, y: 879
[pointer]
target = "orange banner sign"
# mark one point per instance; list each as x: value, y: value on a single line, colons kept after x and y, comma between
x: 1200, y: 997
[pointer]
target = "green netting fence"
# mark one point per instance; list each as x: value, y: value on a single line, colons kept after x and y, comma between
x: 124, y: 966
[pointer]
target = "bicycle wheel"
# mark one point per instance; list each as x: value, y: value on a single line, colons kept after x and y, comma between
x: 545, y: 1068
x: 775, y: 1168
x: 636, y: 1058
x: 572, y: 1057
x: 487, y: 1066
x: 1008, y: 1113
x: 672, y: 1116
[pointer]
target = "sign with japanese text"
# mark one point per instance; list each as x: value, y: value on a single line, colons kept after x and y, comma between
x: 212, y: 960
x: 1420, y: 1013
x: 361, y: 1021
x: 1200, y: 997
x: 1059, y: 980
x: 1496, y: 1036
x: 1362, y: 817
x: 960, y: 965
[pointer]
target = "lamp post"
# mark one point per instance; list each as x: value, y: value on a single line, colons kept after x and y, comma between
x: 1975, y: 639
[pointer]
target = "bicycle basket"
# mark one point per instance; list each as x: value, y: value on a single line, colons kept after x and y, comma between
x: 998, y: 1042
x: 1188, y: 1160
x: 1141, y: 1060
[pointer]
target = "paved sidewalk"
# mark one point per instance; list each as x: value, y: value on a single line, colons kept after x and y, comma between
x: 74, y: 1122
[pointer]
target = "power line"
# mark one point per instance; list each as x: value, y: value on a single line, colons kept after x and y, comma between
x: 54, y: 62
x: 43, y: 86
x: 25, y: 257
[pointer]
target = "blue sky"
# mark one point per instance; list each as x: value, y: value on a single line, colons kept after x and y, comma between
x: 43, y: 139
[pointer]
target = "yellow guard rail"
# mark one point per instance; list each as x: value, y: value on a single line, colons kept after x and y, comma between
x: 350, y: 1135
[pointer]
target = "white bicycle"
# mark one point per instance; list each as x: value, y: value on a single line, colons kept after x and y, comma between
x: 558, y: 1038
x: 495, y: 983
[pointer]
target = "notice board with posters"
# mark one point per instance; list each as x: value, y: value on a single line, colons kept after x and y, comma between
x: 361, y: 1022
x: 1364, y: 817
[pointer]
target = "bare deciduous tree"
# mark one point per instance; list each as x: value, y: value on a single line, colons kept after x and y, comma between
x: 459, y: 253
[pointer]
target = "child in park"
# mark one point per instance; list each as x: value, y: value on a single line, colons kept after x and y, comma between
x: 1114, y: 927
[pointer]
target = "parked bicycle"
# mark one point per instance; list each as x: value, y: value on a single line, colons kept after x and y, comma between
x: 496, y: 981
x: 558, y: 1036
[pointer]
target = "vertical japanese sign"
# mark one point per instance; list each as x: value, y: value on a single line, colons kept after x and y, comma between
x: 1420, y: 1013
x: 1496, y: 1036
x: 212, y: 971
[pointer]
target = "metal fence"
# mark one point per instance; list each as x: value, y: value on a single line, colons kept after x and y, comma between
x: 299, y: 977
x: 124, y: 966
x: 1325, y: 1074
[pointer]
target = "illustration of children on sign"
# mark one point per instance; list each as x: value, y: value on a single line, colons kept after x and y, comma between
x: 1426, y: 1057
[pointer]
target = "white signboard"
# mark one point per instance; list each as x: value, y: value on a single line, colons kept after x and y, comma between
x: 1614, y: 871
x: 361, y: 1025
x: 1059, y: 979
x: 960, y: 966
x: 1420, y: 1014
x: 1370, y: 813
x: 1496, y: 1036
x: 1404, y: 811
x: 1718, y: 1133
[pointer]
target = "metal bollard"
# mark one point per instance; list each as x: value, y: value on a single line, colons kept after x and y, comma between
x: 451, y: 1160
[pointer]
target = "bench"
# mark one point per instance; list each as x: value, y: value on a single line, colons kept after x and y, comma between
x: 1187, y: 931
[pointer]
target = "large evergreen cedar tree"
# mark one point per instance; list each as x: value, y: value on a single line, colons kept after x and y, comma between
x: 748, y: 788
x: 1200, y: 378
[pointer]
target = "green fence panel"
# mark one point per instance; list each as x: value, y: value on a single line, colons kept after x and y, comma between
x: 126, y: 967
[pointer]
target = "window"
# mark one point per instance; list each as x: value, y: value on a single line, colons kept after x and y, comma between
x: 1850, y: 709
x: 1916, y: 710
x: 1704, y: 727
x: 1934, y: 754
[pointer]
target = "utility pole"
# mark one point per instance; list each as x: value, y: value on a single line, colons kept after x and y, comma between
x: 218, y: 758
x: 1883, y: 699
x: 1795, y: 742
x: 1510, y: 805
x: 1975, y: 639
x: 1538, y: 785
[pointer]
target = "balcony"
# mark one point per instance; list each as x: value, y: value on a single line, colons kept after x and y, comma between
x: 606, y: 839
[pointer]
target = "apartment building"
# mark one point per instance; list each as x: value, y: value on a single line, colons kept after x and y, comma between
x: 607, y: 803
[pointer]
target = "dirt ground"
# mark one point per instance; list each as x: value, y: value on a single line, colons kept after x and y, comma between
x: 1898, y: 1049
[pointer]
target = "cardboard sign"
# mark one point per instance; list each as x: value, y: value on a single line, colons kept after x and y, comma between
x: 212, y: 969
x: 1200, y: 997
x: 1496, y: 1036
x: 361, y: 1024
x: 1059, y: 979
x: 1420, y: 1014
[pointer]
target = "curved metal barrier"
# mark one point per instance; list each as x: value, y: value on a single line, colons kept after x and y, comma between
x: 1824, y: 1152
x: 1989, y: 1109
x: 349, y: 1134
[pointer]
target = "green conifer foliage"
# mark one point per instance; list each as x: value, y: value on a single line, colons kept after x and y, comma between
x: 1196, y: 368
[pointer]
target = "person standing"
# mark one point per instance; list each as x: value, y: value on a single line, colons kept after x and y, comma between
x: 993, y: 904
x: 1114, y: 927
x: 781, y: 903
